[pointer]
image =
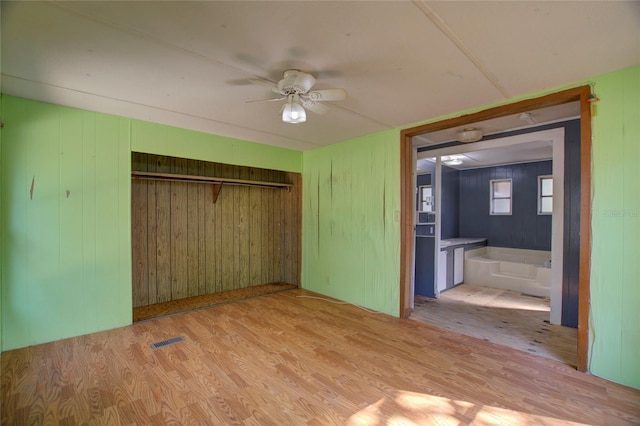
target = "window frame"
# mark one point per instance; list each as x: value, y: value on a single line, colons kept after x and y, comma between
x: 540, y: 196
x: 492, y: 198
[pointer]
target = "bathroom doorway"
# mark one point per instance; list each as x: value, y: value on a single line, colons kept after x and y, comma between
x: 580, y: 238
x: 461, y: 177
x: 501, y: 262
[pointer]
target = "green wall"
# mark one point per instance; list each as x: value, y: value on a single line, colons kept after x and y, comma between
x: 615, y: 265
x: 66, y: 267
x: 351, y: 235
x: 1, y: 227
x: 66, y: 264
x: 165, y: 140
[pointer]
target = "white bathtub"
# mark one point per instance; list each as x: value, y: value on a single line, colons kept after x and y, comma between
x: 525, y: 271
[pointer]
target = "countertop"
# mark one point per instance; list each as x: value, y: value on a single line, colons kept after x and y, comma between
x: 458, y: 242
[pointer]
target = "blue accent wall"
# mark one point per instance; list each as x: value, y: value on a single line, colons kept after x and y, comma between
x: 449, y: 203
x: 425, y: 246
x: 524, y: 228
x: 424, y: 279
x: 571, y: 240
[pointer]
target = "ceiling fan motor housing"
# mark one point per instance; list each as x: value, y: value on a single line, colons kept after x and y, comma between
x: 295, y: 82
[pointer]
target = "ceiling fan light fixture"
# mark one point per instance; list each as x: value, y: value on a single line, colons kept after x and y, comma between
x: 296, y: 87
x: 293, y: 112
x: 470, y: 134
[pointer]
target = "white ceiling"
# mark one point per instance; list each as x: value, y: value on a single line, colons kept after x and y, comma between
x: 188, y: 64
x: 512, y: 154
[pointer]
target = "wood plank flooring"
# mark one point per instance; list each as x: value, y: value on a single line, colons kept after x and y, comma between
x: 156, y: 310
x: 282, y: 359
x: 500, y: 316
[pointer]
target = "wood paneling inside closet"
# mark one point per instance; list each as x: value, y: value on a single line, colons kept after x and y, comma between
x: 184, y: 244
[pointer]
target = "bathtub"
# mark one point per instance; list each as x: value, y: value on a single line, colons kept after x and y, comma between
x: 524, y: 271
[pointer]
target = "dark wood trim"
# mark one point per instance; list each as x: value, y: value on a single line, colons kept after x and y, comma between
x: 406, y: 224
x: 580, y: 94
x: 558, y: 98
x: 584, y: 274
x: 216, y: 187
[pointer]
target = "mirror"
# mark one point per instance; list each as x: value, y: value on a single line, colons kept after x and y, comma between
x: 426, y: 201
x: 426, y: 205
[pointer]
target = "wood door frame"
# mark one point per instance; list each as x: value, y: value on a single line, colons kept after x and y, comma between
x: 581, y: 94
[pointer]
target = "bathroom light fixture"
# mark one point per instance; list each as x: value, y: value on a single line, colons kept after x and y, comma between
x: 470, y: 134
x: 451, y: 160
x: 293, y: 112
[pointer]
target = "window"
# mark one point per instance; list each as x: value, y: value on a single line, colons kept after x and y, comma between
x: 545, y: 194
x: 500, y: 197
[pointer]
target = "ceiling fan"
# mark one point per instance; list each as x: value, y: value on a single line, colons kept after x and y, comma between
x: 295, y: 88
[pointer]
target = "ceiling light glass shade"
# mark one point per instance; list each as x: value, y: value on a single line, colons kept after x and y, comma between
x: 470, y: 134
x: 293, y: 113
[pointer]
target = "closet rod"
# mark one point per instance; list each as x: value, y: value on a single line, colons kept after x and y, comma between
x: 206, y: 179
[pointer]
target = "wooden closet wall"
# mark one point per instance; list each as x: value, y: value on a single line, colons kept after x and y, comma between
x: 184, y: 244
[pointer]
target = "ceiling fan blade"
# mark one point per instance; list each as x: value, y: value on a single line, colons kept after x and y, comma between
x: 316, y: 107
x: 265, y: 100
x: 262, y: 82
x: 266, y: 83
x: 328, y: 95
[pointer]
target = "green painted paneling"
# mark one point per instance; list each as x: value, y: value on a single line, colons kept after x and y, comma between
x: 1, y: 227
x: 350, y: 234
x: 15, y: 190
x: 165, y: 140
x: 66, y: 265
x: 1, y: 199
x: 615, y: 270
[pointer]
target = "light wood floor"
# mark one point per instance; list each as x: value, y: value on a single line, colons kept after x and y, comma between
x: 281, y: 359
x: 500, y: 316
x: 156, y: 310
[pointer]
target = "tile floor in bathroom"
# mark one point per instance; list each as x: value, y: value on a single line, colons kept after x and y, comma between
x: 503, y: 317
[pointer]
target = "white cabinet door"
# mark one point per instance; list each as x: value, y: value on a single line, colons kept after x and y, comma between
x: 458, y: 265
x: 442, y: 271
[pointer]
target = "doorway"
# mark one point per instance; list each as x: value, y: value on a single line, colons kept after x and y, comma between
x: 499, y: 275
x: 581, y: 95
x: 519, y: 160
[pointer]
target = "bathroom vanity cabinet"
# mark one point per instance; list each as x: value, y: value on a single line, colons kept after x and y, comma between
x: 451, y: 260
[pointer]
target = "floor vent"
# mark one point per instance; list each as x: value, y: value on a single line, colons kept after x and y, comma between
x: 167, y: 342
